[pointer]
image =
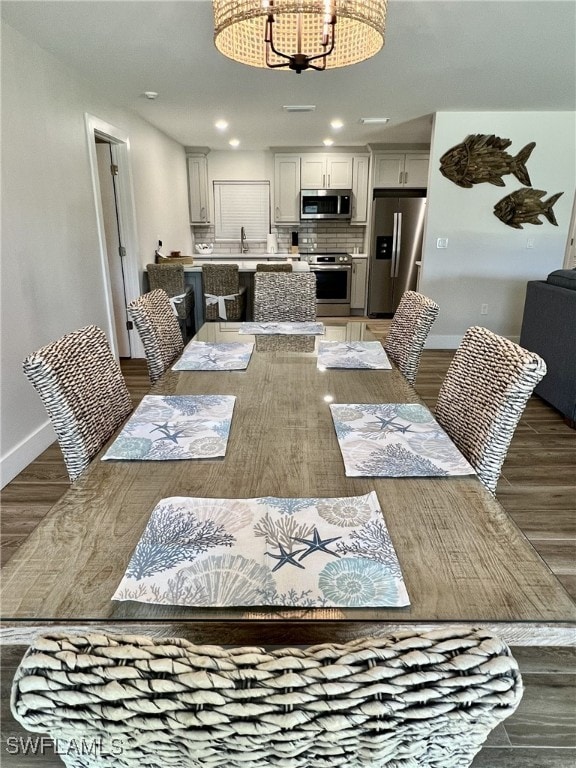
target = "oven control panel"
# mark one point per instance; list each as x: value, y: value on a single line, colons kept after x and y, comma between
x: 329, y: 258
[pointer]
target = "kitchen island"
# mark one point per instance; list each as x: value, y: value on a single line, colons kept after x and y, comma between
x: 246, y: 267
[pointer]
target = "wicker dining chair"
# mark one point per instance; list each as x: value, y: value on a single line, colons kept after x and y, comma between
x: 408, y: 332
x: 224, y: 298
x: 170, y: 278
x: 483, y: 396
x: 425, y: 699
x: 284, y: 297
x: 271, y: 267
x: 82, y: 388
x: 159, y: 331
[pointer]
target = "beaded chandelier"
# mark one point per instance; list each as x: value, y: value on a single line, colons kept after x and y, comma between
x: 299, y: 34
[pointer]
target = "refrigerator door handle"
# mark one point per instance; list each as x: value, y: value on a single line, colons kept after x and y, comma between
x: 394, y: 248
x: 398, y: 243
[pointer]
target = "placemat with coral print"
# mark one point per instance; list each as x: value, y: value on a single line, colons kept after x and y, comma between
x: 353, y: 354
x: 215, y: 356
x: 266, y: 551
x: 395, y: 440
x: 166, y: 427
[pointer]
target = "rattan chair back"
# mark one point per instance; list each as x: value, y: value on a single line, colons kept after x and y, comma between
x: 224, y: 299
x: 82, y: 388
x: 282, y: 297
x: 483, y: 396
x: 408, y: 332
x: 271, y: 267
x: 424, y: 699
x: 170, y: 278
x: 159, y: 331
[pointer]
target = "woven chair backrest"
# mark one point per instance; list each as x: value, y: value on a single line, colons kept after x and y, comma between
x: 413, y: 699
x: 409, y: 330
x: 169, y: 277
x: 159, y: 331
x: 273, y: 267
x: 280, y: 297
x: 220, y: 279
x: 483, y: 396
x: 82, y: 388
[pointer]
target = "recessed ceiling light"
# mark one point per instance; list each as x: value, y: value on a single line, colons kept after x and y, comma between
x: 299, y: 107
x: 374, y: 120
x: 336, y: 124
x: 328, y: 142
x: 221, y: 125
x: 234, y: 142
x: 150, y: 95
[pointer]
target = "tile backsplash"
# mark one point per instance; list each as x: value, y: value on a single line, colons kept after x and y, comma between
x: 323, y: 236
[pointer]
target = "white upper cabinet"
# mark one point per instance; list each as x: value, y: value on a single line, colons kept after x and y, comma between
x: 198, y: 189
x: 286, y: 189
x: 360, y: 167
x: 326, y: 171
x: 397, y: 169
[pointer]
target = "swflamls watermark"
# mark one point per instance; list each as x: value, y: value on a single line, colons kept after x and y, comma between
x: 42, y: 745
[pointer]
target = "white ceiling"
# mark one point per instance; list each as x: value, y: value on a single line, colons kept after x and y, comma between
x: 440, y: 55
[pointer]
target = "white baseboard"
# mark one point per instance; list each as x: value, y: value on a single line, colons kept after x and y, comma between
x: 25, y: 452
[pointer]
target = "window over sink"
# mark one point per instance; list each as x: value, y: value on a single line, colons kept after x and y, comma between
x: 242, y: 204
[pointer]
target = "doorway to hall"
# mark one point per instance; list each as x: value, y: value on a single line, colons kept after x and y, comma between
x: 115, y: 251
x: 109, y: 156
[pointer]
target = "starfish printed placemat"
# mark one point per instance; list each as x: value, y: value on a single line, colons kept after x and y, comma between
x: 395, y: 440
x: 215, y: 356
x: 307, y: 328
x: 175, y: 427
x: 266, y: 552
x: 352, y: 354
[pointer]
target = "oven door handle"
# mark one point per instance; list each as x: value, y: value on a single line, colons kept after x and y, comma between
x: 329, y: 267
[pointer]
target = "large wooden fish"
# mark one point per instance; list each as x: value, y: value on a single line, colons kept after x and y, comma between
x: 482, y: 158
x: 525, y: 206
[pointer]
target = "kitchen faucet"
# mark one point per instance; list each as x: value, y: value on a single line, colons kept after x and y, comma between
x: 243, y: 243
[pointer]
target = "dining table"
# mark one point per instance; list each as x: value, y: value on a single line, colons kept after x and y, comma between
x: 463, y: 559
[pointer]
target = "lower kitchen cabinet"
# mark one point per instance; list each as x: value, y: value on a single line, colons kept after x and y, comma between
x: 359, y: 283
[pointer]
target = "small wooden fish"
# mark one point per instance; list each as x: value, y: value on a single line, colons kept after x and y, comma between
x: 524, y: 206
x: 481, y: 158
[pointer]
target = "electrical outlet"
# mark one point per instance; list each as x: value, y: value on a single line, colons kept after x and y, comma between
x: 442, y: 242
x: 530, y: 242
x: 483, y: 309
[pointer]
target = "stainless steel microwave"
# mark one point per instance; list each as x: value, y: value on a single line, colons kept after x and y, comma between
x: 325, y: 203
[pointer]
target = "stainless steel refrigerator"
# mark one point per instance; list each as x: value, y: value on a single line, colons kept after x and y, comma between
x: 396, y: 246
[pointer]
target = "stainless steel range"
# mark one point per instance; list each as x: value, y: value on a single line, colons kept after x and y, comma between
x: 333, y: 276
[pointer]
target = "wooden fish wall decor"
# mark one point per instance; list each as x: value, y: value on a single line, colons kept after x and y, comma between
x: 481, y: 158
x: 524, y: 206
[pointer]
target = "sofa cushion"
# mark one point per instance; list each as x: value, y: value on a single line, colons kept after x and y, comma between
x: 566, y: 278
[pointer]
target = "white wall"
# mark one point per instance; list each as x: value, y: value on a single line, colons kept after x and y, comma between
x: 487, y: 262
x: 51, y: 273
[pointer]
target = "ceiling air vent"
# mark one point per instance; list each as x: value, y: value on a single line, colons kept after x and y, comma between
x: 374, y: 120
x: 299, y: 107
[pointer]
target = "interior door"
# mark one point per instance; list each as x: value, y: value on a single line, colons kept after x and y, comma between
x: 113, y: 245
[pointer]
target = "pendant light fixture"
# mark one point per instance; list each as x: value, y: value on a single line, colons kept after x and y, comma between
x: 299, y: 34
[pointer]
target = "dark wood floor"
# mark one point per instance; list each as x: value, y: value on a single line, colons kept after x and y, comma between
x: 537, y: 488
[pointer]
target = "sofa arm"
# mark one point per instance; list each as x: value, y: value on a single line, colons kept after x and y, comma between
x: 548, y: 329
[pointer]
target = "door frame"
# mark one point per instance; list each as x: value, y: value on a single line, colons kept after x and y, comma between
x: 120, y: 147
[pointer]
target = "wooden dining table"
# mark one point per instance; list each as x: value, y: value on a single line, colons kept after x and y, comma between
x: 463, y: 558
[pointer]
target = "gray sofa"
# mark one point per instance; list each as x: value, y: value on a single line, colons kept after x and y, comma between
x: 549, y: 328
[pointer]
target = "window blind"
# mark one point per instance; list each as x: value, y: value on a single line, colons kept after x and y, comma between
x: 242, y: 204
